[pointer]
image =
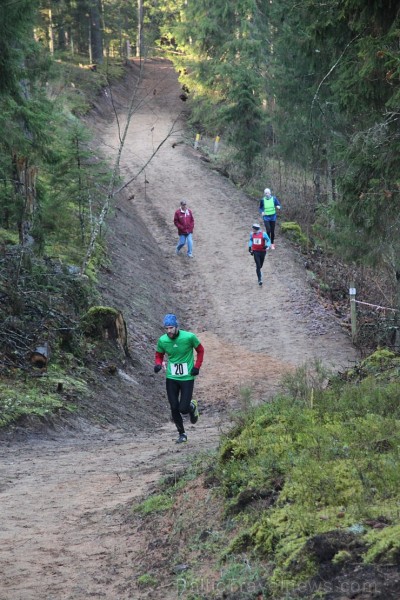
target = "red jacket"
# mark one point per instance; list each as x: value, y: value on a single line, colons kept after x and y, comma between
x: 184, y: 221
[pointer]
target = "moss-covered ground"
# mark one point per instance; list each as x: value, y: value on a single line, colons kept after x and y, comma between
x: 305, y: 493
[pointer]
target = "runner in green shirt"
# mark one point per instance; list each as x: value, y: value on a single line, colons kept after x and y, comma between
x: 181, y: 371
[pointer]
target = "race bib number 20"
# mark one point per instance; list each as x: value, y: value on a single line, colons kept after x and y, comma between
x: 179, y: 369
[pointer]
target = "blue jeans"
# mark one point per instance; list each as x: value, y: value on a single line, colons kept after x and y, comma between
x: 186, y: 239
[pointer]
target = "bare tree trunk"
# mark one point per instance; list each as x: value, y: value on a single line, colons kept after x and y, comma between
x: 139, y: 41
x: 96, y: 34
x: 90, y: 42
x: 317, y: 185
x: 61, y: 31
x: 25, y: 187
x: 397, y: 314
x: 51, y: 33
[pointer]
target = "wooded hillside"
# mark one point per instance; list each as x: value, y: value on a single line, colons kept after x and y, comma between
x: 309, y: 89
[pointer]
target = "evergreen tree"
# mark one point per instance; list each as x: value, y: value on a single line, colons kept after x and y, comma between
x: 16, y: 39
x: 224, y: 57
x: 23, y: 119
x: 120, y: 26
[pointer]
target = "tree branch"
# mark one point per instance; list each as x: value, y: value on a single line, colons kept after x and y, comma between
x: 111, y: 188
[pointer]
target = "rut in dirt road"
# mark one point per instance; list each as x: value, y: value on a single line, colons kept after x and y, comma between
x: 63, y: 536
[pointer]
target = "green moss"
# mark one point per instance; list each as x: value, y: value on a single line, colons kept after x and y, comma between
x: 382, y: 358
x: 239, y: 543
x: 38, y: 397
x: 380, y: 355
x: 328, y: 457
x: 384, y: 545
x: 293, y: 563
x: 383, y: 365
x: 98, y: 318
x: 331, y: 483
x: 14, y: 406
x: 294, y: 232
x: 146, y: 580
x: 343, y: 556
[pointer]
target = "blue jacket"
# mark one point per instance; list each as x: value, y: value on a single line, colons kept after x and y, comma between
x: 261, y: 209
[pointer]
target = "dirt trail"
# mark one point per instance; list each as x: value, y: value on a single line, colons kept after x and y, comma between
x: 63, y: 535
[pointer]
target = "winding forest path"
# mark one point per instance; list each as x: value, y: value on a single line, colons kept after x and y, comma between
x: 63, y: 535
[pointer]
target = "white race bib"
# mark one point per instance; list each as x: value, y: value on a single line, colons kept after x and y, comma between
x: 179, y: 369
x: 257, y: 241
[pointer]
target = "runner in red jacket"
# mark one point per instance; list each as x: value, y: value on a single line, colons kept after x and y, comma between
x: 184, y: 222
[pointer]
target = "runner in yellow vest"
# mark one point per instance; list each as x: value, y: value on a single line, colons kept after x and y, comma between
x: 267, y: 208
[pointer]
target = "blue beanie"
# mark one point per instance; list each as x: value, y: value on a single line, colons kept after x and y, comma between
x: 170, y: 320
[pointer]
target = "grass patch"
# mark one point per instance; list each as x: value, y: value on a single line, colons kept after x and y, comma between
x: 146, y: 580
x: 155, y: 504
x: 171, y: 485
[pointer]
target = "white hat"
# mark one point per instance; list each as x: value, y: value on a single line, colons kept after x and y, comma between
x: 267, y: 191
x: 256, y: 226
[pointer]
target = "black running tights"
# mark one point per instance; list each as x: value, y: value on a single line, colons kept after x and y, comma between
x: 179, y: 395
x: 270, y: 229
x: 259, y: 258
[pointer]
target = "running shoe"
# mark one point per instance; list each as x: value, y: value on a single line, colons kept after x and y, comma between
x: 182, y: 438
x: 272, y: 246
x: 194, y: 412
x: 260, y: 283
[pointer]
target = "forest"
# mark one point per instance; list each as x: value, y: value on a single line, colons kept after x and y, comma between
x: 307, y: 95
x: 310, y: 92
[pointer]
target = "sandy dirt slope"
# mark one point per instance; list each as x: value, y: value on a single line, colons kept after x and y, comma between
x: 62, y: 534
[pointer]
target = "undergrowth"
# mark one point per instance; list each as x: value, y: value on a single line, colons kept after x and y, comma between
x: 328, y: 456
x: 308, y: 487
x: 38, y: 397
x: 42, y: 291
